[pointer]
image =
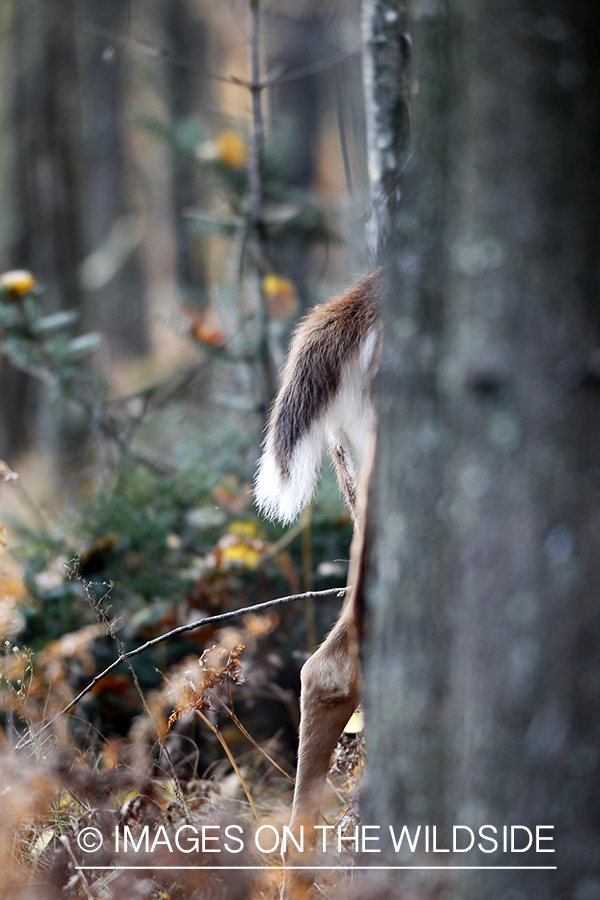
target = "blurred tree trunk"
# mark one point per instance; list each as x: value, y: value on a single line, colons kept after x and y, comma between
x: 47, y: 220
x: 70, y: 196
x: 115, y: 290
x: 296, y: 113
x: 186, y: 38
x: 48, y: 134
x: 386, y: 74
x: 482, y: 664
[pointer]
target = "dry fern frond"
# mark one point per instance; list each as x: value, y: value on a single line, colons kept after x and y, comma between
x: 217, y: 665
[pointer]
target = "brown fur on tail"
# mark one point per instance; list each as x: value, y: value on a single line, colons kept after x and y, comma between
x: 324, y: 400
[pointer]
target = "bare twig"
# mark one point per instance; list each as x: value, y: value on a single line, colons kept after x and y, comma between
x: 230, y: 712
x: 277, y: 75
x: 216, y: 731
x: 209, y: 620
x: 67, y: 845
x: 255, y: 175
x: 256, y: 161
x: 159, y: 392
x: 156, y: 52
x: 315, y: 68
x: 343, y: 141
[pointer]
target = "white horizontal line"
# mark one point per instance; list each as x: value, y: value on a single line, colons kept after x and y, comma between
x: 313, y: 868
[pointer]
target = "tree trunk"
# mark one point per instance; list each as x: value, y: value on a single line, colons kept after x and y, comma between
x: 186, y: 37
x: 386, y: 56
x: 296, y: 113
x: 482, y: 664
x: 45, y: 233
x: 112, y: 276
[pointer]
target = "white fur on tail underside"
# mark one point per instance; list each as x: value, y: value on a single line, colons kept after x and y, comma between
x: 344, y: 424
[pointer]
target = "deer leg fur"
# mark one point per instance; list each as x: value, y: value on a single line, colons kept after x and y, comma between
x: 330, y: 694
x: 331, y: 684
x: 325, y: 399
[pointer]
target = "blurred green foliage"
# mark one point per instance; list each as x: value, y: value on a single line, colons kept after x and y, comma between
x: 166, y: 533
x: 162, y: 525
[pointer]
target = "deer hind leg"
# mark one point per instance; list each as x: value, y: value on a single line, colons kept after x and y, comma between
x: 330, y: 694
x: 331, y: 682
x: 344, y: 471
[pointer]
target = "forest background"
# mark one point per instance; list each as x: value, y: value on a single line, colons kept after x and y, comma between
x: 178, y: 185
x: 179, y: 181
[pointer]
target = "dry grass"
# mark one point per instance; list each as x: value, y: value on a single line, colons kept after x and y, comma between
x: 52, y: 790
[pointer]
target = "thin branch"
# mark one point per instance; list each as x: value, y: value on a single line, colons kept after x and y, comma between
x: 216, y: 731
x: 319, y: 66
x: 158, y: 392
x: 40, y: 373
x: 230, y: 712
x: 277, y: 76
x: 343, y: 141
x: 182, y: 629
x: 80, y: 874
x: 256, y: 180
x: 157, y: 52
x: 255, y: 177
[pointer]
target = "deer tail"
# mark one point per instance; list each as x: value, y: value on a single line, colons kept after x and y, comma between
x: 324, y: 401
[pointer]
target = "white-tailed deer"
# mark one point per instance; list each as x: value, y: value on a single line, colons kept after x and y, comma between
x: 324, y: 400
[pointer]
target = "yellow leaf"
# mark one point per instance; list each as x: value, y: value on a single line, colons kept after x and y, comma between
x: 17, y: 282
x: 281, y: 296
x: 241, y: 553
x: 231, y: 150
x: 244, y: 529
x: 43, y: 840
x: 275, y: 284
x: 356, y: 722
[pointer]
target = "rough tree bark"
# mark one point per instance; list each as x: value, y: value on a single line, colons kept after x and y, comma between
x: 483, y: 627
x: 386, y: 57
